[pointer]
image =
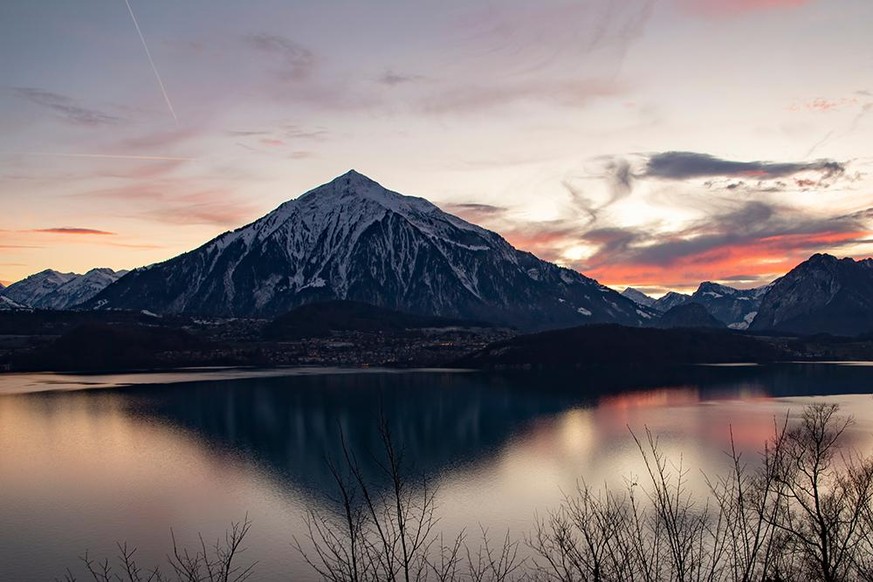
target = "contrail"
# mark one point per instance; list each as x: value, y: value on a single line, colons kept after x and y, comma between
x: 152, y: 62
x: 101, y: 156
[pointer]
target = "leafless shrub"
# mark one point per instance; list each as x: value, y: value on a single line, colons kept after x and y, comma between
x: 803, y: 512
x: 215, y: 563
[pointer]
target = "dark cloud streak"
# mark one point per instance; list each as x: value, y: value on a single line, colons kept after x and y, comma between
x: 685, y: 165
x: 66, y: 107
x: 298, y: 61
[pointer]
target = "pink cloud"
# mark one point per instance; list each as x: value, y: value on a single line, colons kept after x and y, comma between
x: 822, y: 105
x: 73, y: 230
x: 736, y: 7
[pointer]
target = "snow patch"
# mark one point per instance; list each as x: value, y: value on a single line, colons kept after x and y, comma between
x: 568, y: 277
x: 583, y: 311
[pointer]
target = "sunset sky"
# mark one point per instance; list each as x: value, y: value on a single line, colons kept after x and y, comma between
x: 647, y: 143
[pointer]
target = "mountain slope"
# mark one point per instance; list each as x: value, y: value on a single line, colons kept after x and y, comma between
x: 735, y: 308
x: 821, y: 295
x: 80, y: 289
x: 670, y: 300
x: 31, y: 290
x: 50, y: 289
x: 689, y: 315
x: 321, y: 319
x: 353, y: 239
x: 7, y: 304
x: 638, y: 297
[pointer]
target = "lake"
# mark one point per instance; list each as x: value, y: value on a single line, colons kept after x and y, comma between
x: 89, y: 460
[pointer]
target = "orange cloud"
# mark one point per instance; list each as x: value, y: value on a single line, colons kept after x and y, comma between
x: 764, y: 258
x: 544, y: 244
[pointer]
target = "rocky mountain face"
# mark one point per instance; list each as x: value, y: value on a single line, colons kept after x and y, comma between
x: 50, y: 289
x: 33, y: 289
x: 821, y: 295
x: 735, y: 308
x: 670, y: 300
x: 689, y: 315
x: 639, y: 297
x: 353, y: 239
x: 7, y: 304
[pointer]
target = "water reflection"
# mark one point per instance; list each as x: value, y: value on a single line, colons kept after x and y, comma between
x: 82, y: 469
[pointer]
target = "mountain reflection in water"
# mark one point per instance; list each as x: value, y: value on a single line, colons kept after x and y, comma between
x: 81, y: 469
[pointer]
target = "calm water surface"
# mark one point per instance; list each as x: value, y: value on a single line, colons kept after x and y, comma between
x: 88, y: 460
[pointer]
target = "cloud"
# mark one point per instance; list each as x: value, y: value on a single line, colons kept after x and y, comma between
x: 298, y: 61
x: 545, y: 239
x: 512, y: 34
x: 283, y: 136
x: 716, y: 8
x: 823, y: 105
x: 74, y: 230
x: 476, y: 213
x: 471, y: 98
x: 758, y: 260
x: 392, y: 79
x: 754, y: 238
x: 685, y: 165
x: 66, y: 108
x: 203, y: 207
x: 174, y: 200
x: 160, y: 139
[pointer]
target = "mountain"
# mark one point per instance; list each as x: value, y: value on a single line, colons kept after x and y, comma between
x: 7, y: 304
x: 50, y: 289
x: 33, y: 289
x: 353, y: 239
x: 320, y: 319
x: 735, y: 308
x: 670, y: 300
x: 821, y: 295
x: 689, y: 315
x: 638, y: 297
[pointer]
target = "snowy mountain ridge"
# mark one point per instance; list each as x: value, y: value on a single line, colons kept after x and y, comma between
x: 354, y: 239
x: 823, y: 294
x: 50, y: 289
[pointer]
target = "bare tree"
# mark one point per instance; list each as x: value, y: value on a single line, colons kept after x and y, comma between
x: 803, y: 512
x: 824, y: 497
x: 215, y: 563
x: 749, y: 503
x: 386, y: 532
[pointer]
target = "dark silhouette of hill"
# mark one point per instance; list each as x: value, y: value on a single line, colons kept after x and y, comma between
x: 614, y: 344
x: 98, y: 346
x: 689, y: 315
x: 321, y: 319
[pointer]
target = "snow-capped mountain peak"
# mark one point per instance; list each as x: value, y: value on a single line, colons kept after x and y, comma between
x: 638, y: 297
x: 354, y: 239
x: 51, y: 289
